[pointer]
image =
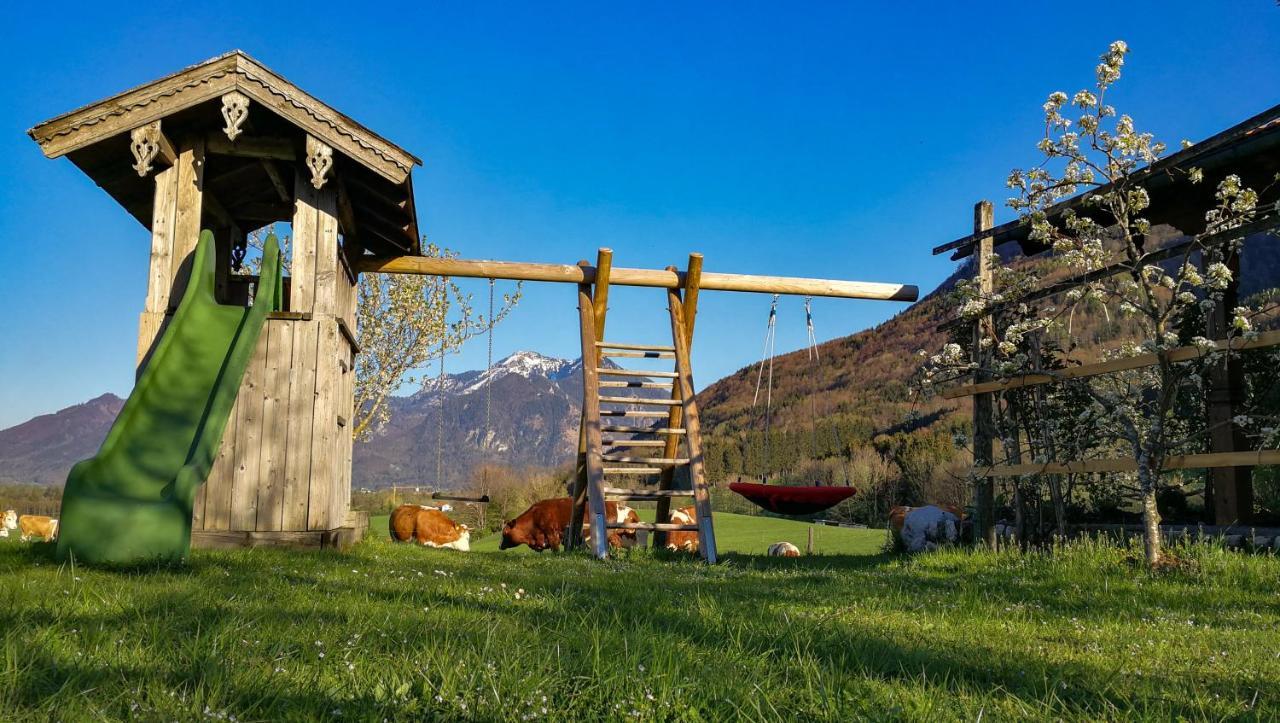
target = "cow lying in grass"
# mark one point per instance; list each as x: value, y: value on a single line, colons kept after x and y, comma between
x: 543, y: 525
x: 924, y: 528
x: 683, y: 541
x: 783, y: 549
x: 430, y: 527
x: 9, y: 522
x: 33, y: 526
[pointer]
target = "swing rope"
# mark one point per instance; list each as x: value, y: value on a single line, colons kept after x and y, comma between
x: 444, y: 344
x: 814, y: 360
x: 782, y: 499
x: 440, y: 418
x: 770, y: 340
x: 488, y: 377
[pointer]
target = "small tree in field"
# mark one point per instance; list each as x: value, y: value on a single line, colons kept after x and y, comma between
x: 1087, y: 147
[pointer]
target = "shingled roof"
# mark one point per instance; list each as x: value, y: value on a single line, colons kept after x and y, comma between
x: 376, y: 172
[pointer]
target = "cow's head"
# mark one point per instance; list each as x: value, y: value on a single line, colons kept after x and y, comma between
x: 508, y: 537
x: 10, y: 520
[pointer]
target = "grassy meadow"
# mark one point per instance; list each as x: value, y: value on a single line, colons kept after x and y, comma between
x: 399, y: 632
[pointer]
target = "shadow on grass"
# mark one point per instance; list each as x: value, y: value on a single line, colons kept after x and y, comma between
x: 778, y: 624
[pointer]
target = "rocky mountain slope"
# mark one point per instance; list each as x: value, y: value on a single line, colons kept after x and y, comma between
x: 42, y: 450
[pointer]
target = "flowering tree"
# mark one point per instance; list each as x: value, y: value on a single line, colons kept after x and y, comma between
x: 1103, y: 243
x: 403, y: 322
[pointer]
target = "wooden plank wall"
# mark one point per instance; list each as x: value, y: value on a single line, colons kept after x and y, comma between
x: 285, y: 461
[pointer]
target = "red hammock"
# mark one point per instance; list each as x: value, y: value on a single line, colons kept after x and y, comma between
x: 785, y: 500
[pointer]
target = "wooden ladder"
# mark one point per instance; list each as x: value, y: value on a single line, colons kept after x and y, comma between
x: 643, y: 433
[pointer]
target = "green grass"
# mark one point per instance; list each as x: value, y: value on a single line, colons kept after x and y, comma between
x: 406, y: 633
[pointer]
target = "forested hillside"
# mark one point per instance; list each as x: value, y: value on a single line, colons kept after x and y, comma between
x: 855, y: 417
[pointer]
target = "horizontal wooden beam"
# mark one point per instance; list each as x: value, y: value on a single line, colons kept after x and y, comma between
x: 571, y: 274
x: 1181, y: 461
x: 1269, y: 220
x: 1180, y: 354
x: 280, y: 149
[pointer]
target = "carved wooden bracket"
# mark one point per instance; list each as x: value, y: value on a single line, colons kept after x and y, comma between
x: 145, y: 142
x: 319, y: 160
x: 235, y: 108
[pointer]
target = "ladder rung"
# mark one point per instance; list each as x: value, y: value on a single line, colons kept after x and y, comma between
x: 651, y: 526
x: 639, y: 354
x: 650, y: 493
x: 641, y: 400
x: 664, y: 461
x: 633, y: 413
x: 635, y: 385
x: 633, y: 470
x: 636, y: 373
x: 641, y: 430
x: 634, y: 442
x: 633, y: 347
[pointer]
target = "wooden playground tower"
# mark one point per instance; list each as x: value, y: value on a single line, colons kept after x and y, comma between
x: 231, y: 146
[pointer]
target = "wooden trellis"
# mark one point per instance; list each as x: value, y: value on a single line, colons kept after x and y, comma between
x: 1249, y: 150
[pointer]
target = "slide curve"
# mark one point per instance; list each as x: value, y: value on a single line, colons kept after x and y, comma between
x: 132, y: 502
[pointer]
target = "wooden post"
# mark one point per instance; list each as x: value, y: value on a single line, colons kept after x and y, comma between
x: 693, y: 278
x: 693, y: 427
x: 984, y: 530
x: 591, y: 427
x: 1229, y: 490
x: 160, y: 277
x: 808, y: 549
x: 600, y: 309
x: 186, y: 226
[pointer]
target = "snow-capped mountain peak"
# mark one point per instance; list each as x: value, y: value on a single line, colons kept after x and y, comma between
x: 529, y: 364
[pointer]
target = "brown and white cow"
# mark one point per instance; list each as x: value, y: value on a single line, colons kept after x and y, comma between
x: 924, y: 528
x: 683, y: 541
x: 45, y: 528
x: 783, y: 549
x: 543, y: 525
x: 430, y: 527
x: 8, y: 522
x: 898, y: 515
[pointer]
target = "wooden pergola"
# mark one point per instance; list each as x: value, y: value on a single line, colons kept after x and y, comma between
x: 1250, y: 150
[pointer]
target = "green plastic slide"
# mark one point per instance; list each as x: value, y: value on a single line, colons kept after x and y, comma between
x: 132, y: 503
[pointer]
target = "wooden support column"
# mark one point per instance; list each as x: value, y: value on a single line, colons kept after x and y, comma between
x: 190, y: 204
x: 322, y: 512
x: 591, y: 427
x: 1228, y: 490
x: 984, y: 531
x: 160, y: 276
x: 600, y: 309
x: 692, y: 280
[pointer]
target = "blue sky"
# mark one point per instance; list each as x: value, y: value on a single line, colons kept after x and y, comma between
x: 835, y: 141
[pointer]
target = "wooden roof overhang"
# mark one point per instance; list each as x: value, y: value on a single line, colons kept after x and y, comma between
x: 249, y: 179
x: 1250, y: 149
